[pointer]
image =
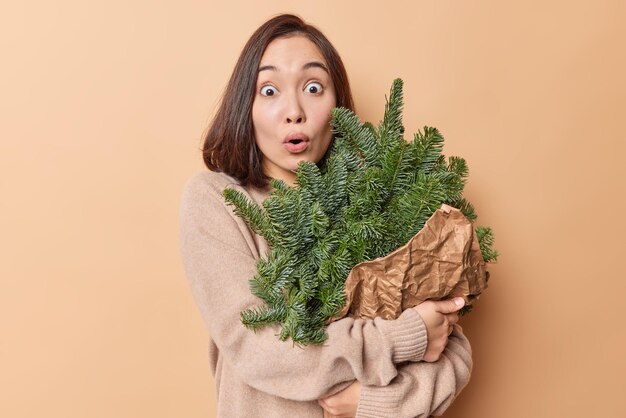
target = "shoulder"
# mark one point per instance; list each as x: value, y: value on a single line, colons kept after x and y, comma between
x: 202, y: 199
x: 207, y: 184
x: 205, y: 215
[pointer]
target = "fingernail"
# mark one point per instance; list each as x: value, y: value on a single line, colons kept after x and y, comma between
x: 459, y: 301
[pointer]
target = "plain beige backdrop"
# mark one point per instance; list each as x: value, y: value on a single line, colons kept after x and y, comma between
x: 103, y: 104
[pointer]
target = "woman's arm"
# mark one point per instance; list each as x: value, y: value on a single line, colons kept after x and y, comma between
x: 420, y: 389
x: 219, y: 261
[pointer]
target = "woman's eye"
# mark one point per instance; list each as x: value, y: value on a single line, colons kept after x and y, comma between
x: 314, y: 88
x: 268, y: 91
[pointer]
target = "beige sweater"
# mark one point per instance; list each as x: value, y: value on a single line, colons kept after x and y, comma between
x: 257, y: 375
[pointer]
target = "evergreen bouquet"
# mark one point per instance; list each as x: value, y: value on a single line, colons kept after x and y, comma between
x: 372, y: 231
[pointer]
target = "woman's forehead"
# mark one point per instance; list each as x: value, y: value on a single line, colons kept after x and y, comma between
x: 291, y: 53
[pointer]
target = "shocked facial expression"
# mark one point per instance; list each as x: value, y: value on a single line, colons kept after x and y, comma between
x: 292, y: 103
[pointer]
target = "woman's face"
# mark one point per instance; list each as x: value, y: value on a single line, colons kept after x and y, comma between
x: 292, y: 103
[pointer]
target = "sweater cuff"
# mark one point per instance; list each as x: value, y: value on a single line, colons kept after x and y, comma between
x: 379, y: 402
x: 408, y: 337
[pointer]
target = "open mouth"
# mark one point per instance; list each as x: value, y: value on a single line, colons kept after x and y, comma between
x: 296, y: 143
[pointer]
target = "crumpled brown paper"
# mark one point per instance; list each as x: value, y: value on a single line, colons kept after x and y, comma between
x: 442, y: 260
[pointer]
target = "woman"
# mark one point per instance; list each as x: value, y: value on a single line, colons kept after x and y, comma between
x: 276, y: 112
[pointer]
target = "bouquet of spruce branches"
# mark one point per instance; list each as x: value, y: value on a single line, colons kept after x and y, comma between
x: 371, y: 197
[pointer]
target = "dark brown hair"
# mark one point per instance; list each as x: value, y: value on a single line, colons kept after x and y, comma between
x: 230, y: 145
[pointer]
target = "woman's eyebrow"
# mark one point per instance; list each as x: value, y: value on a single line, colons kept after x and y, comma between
x: 312, y: 64
x: 315, y: 64
x: 267, y: 68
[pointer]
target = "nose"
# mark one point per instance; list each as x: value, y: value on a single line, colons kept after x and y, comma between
x: 294, y: 113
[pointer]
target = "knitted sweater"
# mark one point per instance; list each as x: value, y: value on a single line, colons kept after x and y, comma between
x: 257, y: 375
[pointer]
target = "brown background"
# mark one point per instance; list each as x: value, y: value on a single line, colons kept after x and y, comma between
x: 103, y: 104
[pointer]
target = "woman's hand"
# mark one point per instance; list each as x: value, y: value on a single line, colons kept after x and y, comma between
x: 343, y: 404
x: 439, y: 317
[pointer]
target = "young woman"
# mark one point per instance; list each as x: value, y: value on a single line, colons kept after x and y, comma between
x: 276, y: 112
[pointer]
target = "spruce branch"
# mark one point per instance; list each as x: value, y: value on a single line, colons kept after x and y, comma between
x: 373, y: 192
x: 486, y: 240
x: 249, y: 212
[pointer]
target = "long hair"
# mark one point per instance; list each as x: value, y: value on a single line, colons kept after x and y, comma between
x: 230, y: 145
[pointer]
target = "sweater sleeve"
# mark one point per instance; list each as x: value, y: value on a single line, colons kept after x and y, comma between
x: 219, y: 263
x: 421, y: 389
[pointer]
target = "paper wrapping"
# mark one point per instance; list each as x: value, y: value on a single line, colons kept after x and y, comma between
x: 442, y: 260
